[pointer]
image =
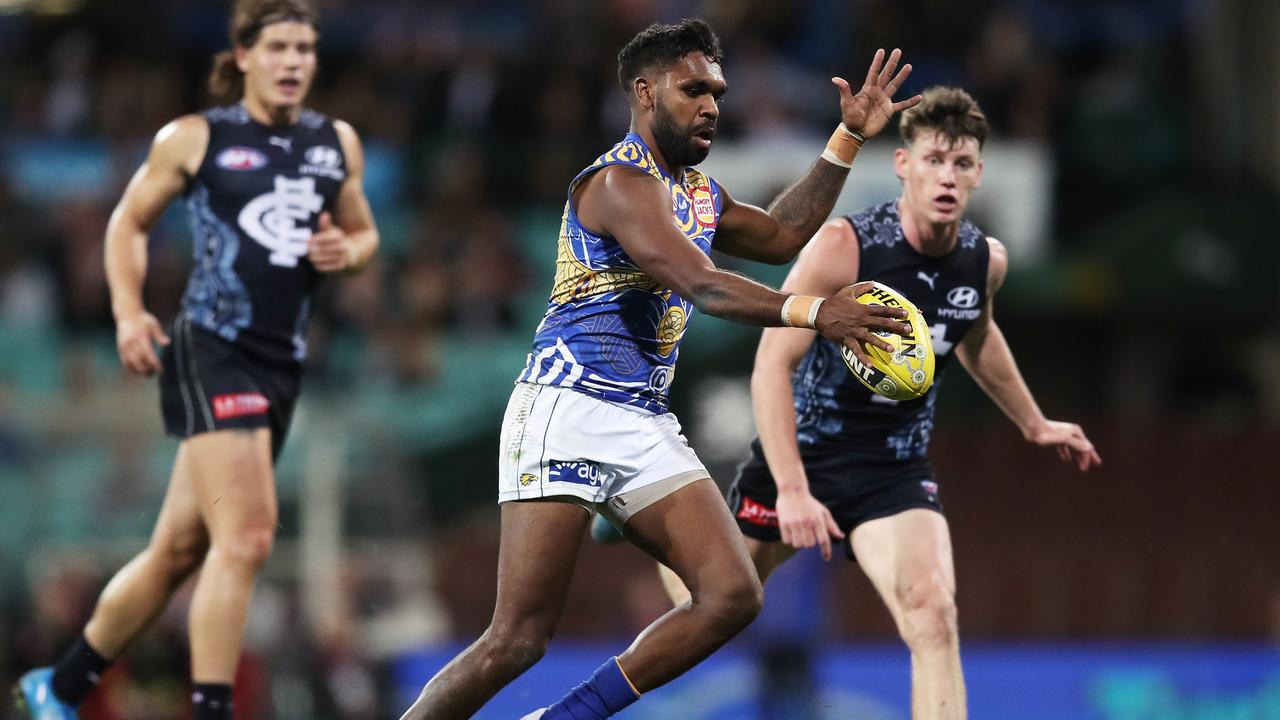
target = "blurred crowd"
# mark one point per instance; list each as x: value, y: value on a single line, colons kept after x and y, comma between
x: 475, y: 115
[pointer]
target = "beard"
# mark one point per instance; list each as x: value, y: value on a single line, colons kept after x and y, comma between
x: 675, y: 143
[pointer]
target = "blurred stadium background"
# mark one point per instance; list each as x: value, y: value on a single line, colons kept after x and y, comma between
x: 1134, y: 175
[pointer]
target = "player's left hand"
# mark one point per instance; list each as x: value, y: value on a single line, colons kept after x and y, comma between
x: 329, y: 249
x: 871, y: 109
x: 1070, y: 442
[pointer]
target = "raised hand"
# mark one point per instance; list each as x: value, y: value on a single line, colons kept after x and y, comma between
x: 871, y: 109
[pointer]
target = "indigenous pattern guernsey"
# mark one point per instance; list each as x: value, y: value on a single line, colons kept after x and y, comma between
x: 611, y: 331
x: 254, y: 202
x: 834, y: 410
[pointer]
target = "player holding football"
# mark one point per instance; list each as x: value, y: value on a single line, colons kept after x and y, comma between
x: 588, y: 426
x: 835, y: 460
x: 276, y: 201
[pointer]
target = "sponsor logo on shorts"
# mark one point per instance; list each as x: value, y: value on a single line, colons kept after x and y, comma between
x: 578, y: 473
x: 240, y: 158
x: 226, y: 407
x: 527, y: 479
x: 754, y: 512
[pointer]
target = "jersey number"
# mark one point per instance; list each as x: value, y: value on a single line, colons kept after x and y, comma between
x: 941, y: 346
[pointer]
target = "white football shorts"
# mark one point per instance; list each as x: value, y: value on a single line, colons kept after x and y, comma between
x: 557, y: 442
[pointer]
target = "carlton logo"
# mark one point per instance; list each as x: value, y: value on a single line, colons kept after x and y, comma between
x: 704, y: 206
x: 226, y: 407
x: 240, y: 158
x: 278, y: 220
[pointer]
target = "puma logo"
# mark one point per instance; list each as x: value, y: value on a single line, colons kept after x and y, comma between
x: 930, y: 279
x: 283, y: 143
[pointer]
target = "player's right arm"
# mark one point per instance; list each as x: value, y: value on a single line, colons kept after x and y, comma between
x: 635, y: 209
x: 829, y: 262
x: 173, y: 160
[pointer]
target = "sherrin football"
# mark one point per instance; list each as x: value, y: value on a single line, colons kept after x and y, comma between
x: 907, y: 372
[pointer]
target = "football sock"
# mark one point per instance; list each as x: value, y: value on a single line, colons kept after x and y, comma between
x: 78, y: 672
x: 606, y: 692
x: 211, y: 701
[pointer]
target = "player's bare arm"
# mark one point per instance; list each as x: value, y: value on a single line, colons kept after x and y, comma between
x: 347, y: 240
x: 776, y: 235
x: 173, y: 160
x: 825, y: 266
x: 635, y: 208
x: 985, y: 353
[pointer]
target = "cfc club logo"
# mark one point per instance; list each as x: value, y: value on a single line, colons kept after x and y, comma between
x: 963, y: 297
x: 278, y: 220
x: 240, y: 158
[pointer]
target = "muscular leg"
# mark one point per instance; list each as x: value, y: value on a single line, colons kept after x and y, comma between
x: 692, y: 532
x: 537, y: 552
x: 766, y: 556
x: 141, y: 589
x: 235, y: 489
x: 908, y: 559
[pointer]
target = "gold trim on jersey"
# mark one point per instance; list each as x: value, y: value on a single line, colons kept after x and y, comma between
x: 575, y: 280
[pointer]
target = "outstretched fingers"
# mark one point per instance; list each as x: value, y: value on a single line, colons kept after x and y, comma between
x: 892, y: 86
x: 886, y: 74
x: 846, y: 93
x: 874, y: 70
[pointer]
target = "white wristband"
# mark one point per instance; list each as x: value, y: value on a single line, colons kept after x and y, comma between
x: 786, y: 310
x: 813, y: 312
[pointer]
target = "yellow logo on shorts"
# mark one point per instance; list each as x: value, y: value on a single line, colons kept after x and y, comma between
x: 528, y: 479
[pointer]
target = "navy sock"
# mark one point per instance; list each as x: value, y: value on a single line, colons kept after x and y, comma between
x: 78, y: 672
x: 606, y: 692
x: 211, y: 701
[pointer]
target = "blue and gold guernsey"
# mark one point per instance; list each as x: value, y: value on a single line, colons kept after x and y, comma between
x: 836, y: 412
x: 610, y: 330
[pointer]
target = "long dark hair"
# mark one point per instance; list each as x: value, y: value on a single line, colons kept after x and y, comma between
x: 247, y: 20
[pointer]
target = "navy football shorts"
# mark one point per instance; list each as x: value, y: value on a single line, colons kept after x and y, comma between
x: 210, y: 384
x: 854, y: 490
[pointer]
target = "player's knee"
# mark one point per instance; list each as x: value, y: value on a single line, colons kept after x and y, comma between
x: 249, y: 548
x: 733, y: 602
x: 928, y: 614
x: 177, y: 558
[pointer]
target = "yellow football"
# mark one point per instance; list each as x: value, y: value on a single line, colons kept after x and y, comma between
x: 907, y: 372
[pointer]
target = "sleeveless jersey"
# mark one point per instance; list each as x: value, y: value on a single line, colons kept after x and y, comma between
x: 610, y: 330
x: 254, y: 202
x: 834, y: 410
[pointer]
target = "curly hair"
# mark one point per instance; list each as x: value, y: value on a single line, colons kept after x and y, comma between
x: 658, y: 46
x: 948, y: 110
x: 247, y: 21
